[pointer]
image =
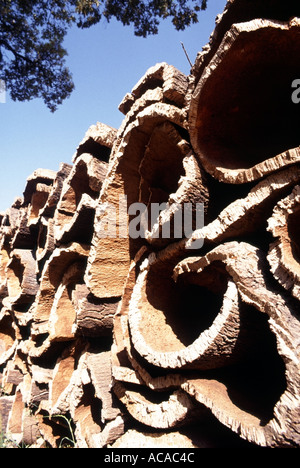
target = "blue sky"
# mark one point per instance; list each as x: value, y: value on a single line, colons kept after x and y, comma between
x: 106, y: 61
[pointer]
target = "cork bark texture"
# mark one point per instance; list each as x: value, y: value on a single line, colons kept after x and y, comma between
x: 191, y: 339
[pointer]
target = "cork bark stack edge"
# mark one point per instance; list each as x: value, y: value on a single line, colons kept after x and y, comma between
x: 187, y: 340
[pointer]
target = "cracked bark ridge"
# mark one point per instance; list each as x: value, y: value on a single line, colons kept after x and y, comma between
x: 284, y: 251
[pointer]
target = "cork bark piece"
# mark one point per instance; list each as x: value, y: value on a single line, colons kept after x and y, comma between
x: 39, y: 176
x: 38, y: 201
x: 4, y: 260
x: 171, y: 411
x: 37, y: 192
x: 22, y: 284
x: 284, y: 251
x: 240, y: 11
x: 11, y: 222
x: 98, y: 142
x: 227, y: 110
x: 45, y: 241
x: 56, y: 188
x: 94, y: 317
x: 6, y: 403
x: 266, y: 420
x: 63, y: 314
x: 171, y: 81
x: 187, y: 188
x: 64, y: 379
x: 111, y: 243
x: 81, y: 387
x: 202, y: 321
x: 52, y: 276
x: 8, y: 336
x: 247, y: 216
x: 74, y: 216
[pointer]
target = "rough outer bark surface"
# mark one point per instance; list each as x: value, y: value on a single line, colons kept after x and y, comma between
x: 171, y: 81
x: 247, y: 266
x: 8, y: 338
x: 98, y: 141
x: 94, y: 317
x: 186, y: 341
x: 284, y: 251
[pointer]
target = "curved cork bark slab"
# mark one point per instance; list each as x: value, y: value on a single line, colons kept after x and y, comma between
x: 45, y: 241
x: 22, y: 284
x: 81, y: 387
x: 168, y: 153
x: 10, y: 222
x: 97, y: 403
x: 238, y: 130
x: 15, y: 419
x: 172, y: 411
x: 38, y: 201
x: 202, y: 321
x: 4, y: 260
x: 8, y: 338
x: 268, y: 380
x: 24, y: 237
x: 153, y: 312
x: 39, y: 176
x: 164, y: 77
x: 74, y: 216
x: 111, y: 242
x: 284, y: 252
x: 30, y: 215
x: 63, y: 314
x: 247, y: 216
x: 98, y: 142
x: 240, y: 11
x: 52, y: 275
x: 6, y: 403
x: 64, y: 378
x: 56, y: 188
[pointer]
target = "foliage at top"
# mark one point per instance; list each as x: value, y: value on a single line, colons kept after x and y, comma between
x: 32, y: 32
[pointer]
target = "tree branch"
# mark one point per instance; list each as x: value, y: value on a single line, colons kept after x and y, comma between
x: 16, y: 54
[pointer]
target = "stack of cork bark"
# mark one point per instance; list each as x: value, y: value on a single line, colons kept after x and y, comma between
x: 109, y: 339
